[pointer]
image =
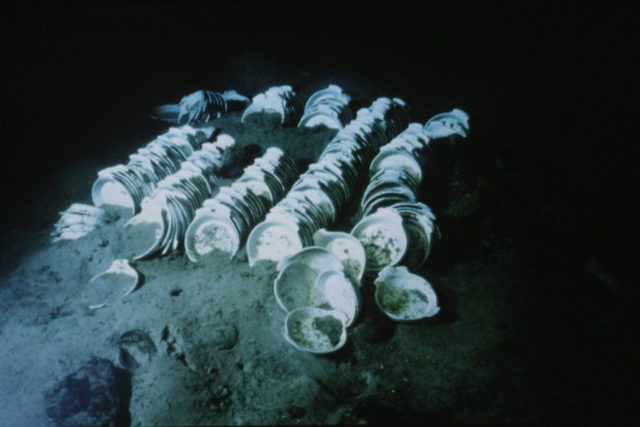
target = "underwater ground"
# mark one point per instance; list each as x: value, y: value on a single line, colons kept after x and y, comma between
x: 534, y: 268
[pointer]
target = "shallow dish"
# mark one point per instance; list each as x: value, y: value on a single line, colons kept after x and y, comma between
x: 405, y: 296
x: 316, y: 330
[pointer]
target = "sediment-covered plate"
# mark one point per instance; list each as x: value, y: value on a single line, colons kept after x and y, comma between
x: 316, y: 330
x: 405, y: 296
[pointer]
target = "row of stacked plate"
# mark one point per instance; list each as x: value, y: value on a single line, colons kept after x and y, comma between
x: 223, y: 222
x: 397, y: 170
x: 281, y: 100
x: 319, y: 272
x: 396, y: 228
x: 322, y: 191
x: 328, y: 107
x: 125, y: 186
x: 394, y: 114
x: 166, y: 214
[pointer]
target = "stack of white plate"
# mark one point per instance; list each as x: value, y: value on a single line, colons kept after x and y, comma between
x: 328, y: 107
x: 78, y: 220
x: 395, y: 228
x: 448, y: 125
x: 407, y: 151
x: 396, y: 171
x: 281, y: 100
x: 321, y: 301
x: 322, y: 191
x: 200, y: 107
x: 224, y: 221
x: 418, y: 224
x: 398, y: 234
x: 394, y: 112
x: 124, y: 186
x: 166, y: 214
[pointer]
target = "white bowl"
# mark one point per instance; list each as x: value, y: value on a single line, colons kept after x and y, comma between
x: 120, y: 277
x: 405, y: 296
x: 295, y: 287
x: 316, y: 330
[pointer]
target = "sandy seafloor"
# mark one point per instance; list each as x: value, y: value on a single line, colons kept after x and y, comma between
x: 434, y: 370
x: 536, y: 295
x: 187, y: 309
x: 386, y: 367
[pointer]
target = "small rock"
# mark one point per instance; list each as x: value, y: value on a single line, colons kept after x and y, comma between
x: 242, y: 256
x: 172, y: 342
x: 372, y: 330
x: 220, y: 400
x: 224, y: 337
x: 463, y: 206
x: 346, y: 414
x: 598, y: 270
x: 297, y: 412
x: 136, y: 349
x: 97, y: 394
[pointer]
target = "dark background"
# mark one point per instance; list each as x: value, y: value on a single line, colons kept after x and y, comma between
x: 551, y: 89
